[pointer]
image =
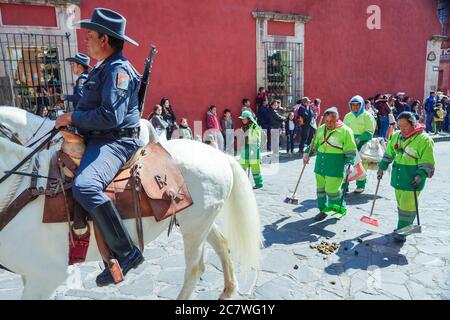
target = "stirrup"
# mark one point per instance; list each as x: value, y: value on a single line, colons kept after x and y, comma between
x: 111, y: 274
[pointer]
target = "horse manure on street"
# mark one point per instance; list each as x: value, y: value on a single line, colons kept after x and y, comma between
x: 325, y: 247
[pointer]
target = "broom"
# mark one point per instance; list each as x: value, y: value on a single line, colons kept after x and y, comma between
x: 293, y: 200
x: 369, y: 219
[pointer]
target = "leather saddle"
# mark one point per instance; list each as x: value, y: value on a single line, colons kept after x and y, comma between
x: 160, y: 185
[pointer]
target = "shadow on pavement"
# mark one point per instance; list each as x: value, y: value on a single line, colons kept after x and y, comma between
x: 362, y: 198
x: 368, y: 254
x: 307, y: 230
x: 350, y: 199
x: 281, y: 158
x: 305, y: 205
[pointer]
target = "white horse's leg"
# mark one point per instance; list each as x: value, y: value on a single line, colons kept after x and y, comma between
x: 193, y: 252
x: 39, y: 287
x: 219, y: 244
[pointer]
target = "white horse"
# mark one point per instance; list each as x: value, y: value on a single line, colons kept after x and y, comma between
x: 39, y: 252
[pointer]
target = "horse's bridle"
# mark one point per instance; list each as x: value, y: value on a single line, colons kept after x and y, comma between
x: 9, y: 134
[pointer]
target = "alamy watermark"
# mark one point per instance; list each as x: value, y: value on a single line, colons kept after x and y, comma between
x: 232, y: 142
x: 374, y: 19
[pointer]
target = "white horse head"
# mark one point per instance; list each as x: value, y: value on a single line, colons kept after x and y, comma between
x: 218, y: 185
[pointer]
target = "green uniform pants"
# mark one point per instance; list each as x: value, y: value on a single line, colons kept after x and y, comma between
x: 406, y: 207
x: 361, y: 181
x: 328, y: 191
x: 256, y: 172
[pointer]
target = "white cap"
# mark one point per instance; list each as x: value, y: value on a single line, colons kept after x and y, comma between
x: 332, y: 110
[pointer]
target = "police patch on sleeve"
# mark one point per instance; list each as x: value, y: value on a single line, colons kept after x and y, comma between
x: 123, y: 80
x: 81, y: 82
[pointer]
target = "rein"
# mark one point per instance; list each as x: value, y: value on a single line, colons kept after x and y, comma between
x: 34, y: 134
x: 26, y: 174
x: 51, y: 133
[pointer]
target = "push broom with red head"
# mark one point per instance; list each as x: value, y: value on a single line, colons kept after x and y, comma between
x: 368, y: 219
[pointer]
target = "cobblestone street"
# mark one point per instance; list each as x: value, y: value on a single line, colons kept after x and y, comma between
x: 368, y: 264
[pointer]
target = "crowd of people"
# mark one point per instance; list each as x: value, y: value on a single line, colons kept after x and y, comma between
x: 401, y: 121
x: 293, y: 127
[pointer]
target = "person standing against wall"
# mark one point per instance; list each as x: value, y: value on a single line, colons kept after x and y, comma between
x: 169, y: 116
x: 214, y: 128
x: 429, y: 105
x: 384, y: 110
x: 304, y: 119
x: 228, y: 131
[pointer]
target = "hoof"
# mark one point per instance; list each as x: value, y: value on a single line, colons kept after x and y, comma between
x: 228, y: 294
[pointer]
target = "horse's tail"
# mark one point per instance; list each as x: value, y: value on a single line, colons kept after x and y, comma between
x: 242, y: 227
x: 152, y: 135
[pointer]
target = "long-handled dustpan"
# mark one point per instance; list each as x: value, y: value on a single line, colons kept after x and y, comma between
x: 293, y: 199
x: 368, y: 219
x: 411, y: 229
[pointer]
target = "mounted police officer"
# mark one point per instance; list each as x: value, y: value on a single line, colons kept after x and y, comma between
x: 107, y: 116
x: 80, y: 67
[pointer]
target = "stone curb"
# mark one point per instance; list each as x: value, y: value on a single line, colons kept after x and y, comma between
x: 440, y: 139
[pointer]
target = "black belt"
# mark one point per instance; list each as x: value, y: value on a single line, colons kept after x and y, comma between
x: 119, y: 133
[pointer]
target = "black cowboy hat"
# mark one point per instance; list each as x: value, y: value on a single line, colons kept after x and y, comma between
x: 108, y: 22
x: 81, y: 59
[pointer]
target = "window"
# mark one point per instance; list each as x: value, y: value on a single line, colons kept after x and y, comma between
x: 279, y: 54
x: 33, y: 73
x: 283, y: 71
x: 37, y: 78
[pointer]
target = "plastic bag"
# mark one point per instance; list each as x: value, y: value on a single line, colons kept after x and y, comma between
x: 359, y: 169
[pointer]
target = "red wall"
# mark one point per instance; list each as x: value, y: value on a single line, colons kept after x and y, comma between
x: 28, y: 15
x: 207, y: 50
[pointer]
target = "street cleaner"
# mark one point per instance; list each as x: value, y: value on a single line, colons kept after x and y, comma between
x: 251, y: 150
x: 412, y: 152
x: 336, y: 150
x: 363, y: 126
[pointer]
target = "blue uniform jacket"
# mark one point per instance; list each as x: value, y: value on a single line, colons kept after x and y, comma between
x: 110, y: 97
x: 77, y: 90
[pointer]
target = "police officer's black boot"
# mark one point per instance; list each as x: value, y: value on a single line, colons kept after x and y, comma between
x: 107, y: 219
